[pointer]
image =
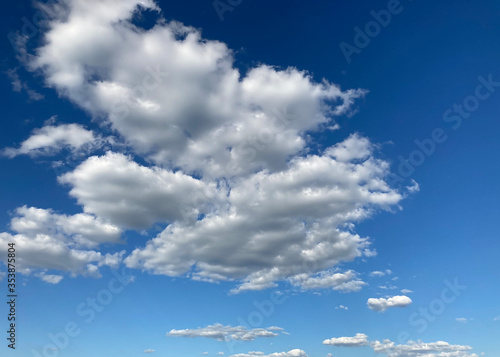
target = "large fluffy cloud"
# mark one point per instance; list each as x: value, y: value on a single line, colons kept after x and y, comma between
x: 268, y: 226
x: 176, y: 97
x: 277, y: 226
x: 222, y: 158
x: 226, y: 333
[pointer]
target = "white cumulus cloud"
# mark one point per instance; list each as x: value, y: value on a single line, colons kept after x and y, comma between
x: 223, y: 159
x: 360, y: 339
x: 51, y: 139
x: 54, y: 241
x: 382, y: 304
x: 275, y: 226
x: 144, y: 83
x: 125, y: 193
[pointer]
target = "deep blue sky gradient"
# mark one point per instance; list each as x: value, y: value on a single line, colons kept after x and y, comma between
x: 428, y: 58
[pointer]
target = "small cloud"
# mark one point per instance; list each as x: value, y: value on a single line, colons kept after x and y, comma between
x: 18, y: 85
x: 204, y: 353
x: 379, y: 274
x: 149, y: 350
x: 341, y: 307
x: 462, y: 320
x: 415, y: 187
x: 388, y: 287
x: 34, y: 95
x: 382, y: 304
x: 496, y: 318
x: 370, y: 253
x: 406, y: 291
x: 51, y: 121
x: 291, y: 353
x: 421, y: 349
x: 50, y: 140
x: 220, y: 353
x: 347, y: 281
x: 225, y: 333
x: 51, y: 279
x: 359, y: 340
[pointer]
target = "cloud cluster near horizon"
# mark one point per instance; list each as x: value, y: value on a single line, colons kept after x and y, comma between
x: 410, y: 349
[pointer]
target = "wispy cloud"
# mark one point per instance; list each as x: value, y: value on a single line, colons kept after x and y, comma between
x: 379, y: 273
x: 224, y: 333
x: 18, y: 85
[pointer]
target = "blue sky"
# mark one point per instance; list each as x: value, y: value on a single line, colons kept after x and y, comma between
x: 221, y: 178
